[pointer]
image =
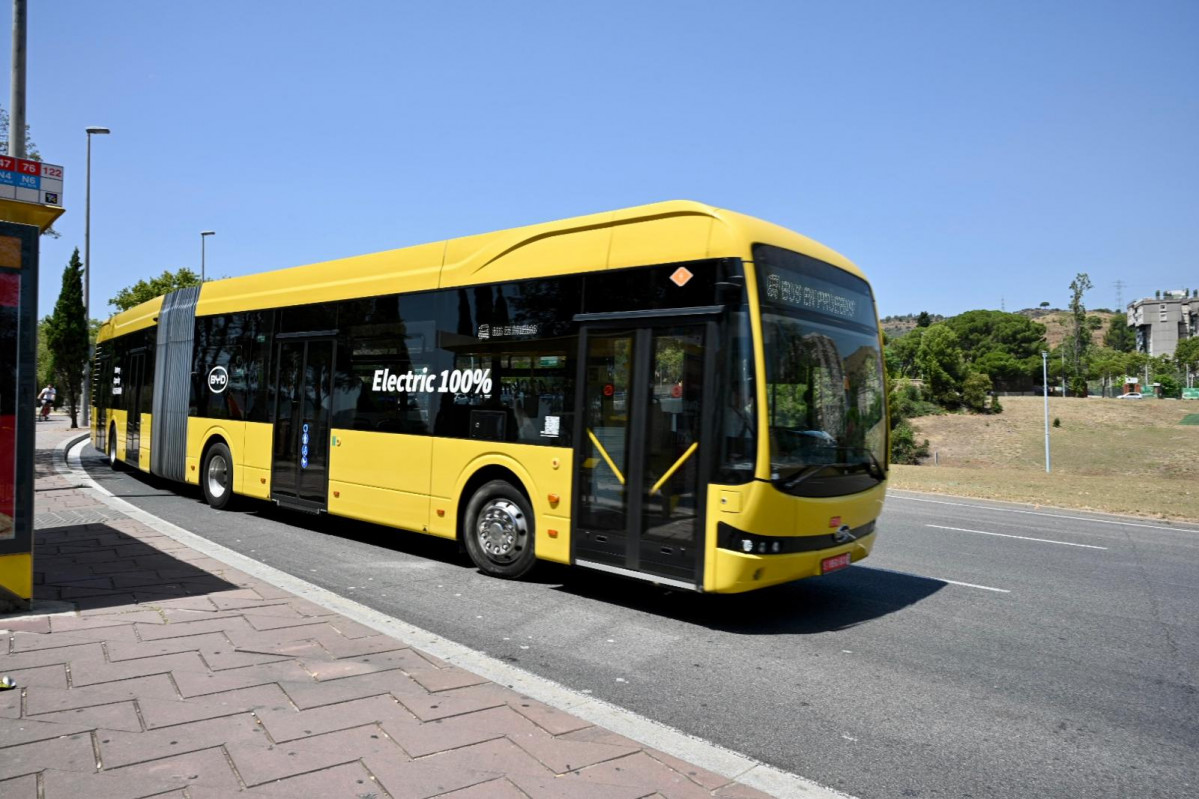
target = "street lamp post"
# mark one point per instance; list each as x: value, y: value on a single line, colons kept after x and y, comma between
x: 87, y: 272
x: 203, y: 235
x: 1045, y: 391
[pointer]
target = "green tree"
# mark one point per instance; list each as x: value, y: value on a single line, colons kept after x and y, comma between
x: 1006, y: 346
x: 1107, y: 365
x: 1082, y: 334
x: 67, y: 336
x: 901, y: 354
x: 1186, y: 354
x: 923, y: 320
x: 975, y: 390
x: 1119, y: 335
x: 45, y: 366
x: 941, y: 364
x: 144, y: 290
x: 904, y: 402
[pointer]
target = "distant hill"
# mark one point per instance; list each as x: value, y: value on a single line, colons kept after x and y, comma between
x: 896, y: 326
x: 1057, y: 323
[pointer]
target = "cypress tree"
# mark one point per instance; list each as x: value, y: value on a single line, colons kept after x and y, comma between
x: 67, y: 336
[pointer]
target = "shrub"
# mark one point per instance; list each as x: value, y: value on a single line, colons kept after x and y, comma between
x: 904, y: 448
x: 975, y: 388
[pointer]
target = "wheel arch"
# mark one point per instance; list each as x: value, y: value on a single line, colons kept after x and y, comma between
x: 208, y: 432
x: 214, y: 438
x: 480, y: 477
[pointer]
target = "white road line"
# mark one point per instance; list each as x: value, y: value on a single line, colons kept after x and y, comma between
x: 939, y: 579
x: 891, y: 495
x: 715, y: 758
x: 1021, y: 537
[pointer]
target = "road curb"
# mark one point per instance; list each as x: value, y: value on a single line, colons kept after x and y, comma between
x: 714, y: 758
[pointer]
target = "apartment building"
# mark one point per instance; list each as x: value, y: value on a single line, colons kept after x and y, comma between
x: 1161, y: 323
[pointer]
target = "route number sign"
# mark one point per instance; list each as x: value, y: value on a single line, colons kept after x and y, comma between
x: 30, y: 181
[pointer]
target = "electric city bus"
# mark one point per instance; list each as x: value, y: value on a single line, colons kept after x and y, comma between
x: 672, y: 392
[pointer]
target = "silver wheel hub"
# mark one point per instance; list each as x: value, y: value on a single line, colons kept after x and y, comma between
x: 218, y: 476
x: 502, y: 530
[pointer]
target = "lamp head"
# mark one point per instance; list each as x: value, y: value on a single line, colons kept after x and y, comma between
x: 207, y: 233
x: 97, y: 130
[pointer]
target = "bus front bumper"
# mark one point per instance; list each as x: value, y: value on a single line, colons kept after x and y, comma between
x: 737, y: 572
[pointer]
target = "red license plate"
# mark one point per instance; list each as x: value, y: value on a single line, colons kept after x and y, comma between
x: 834, y: 563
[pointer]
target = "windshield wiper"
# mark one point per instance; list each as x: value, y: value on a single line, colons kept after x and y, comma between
x: 803, y: 474
x: 872, y: 466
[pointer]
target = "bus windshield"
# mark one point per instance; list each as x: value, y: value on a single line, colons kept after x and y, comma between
x: 825, y: 397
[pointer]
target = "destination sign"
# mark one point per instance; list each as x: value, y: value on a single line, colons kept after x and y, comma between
x: 793, y: 292
x: 30, y: 181
x: 787, y: 279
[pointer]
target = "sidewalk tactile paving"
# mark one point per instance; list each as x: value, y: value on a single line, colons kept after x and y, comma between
x: 192, y: 679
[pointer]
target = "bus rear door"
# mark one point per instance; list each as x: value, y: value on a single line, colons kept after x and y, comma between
x: 300, y: 450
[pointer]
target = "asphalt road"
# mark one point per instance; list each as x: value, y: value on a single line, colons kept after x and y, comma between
x: 983, y: 651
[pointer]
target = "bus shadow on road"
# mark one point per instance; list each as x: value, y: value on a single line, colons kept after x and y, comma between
x: 846, y: 599
x: 849, y: 598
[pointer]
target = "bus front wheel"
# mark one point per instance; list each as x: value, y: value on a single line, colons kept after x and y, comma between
x: 499, y: 531
x: 216, y: 476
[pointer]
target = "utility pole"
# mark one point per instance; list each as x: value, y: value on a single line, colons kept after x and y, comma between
x: 16, y: 119
x: 1045, y: 390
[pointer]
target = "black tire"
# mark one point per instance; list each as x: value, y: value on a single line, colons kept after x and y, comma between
x: 499, y: 531
x: 216, y: 477
x: 113, y: 463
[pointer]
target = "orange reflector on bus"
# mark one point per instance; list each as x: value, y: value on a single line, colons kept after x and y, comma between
x: 336, y: 494
x: 552, y: 533
x: 554, y: 499
x: 441, y: 511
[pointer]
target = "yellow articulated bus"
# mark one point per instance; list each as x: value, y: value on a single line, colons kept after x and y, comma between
x: 672, y: 392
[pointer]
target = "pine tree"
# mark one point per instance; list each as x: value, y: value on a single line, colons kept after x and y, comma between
x: 67, y: 336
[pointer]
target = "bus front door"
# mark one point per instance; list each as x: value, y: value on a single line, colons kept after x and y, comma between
x: 642, y: 449
x: 300, y: 456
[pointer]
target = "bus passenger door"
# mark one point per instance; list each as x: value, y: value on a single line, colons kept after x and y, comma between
x: 300, y: 456
x: 133, y: 402
x: 643, y: 448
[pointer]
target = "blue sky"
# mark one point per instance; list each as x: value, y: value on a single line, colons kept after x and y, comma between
x: 964, y: 154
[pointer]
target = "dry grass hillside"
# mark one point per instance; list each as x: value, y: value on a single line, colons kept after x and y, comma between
x: 1121, y: 456
x: 1058, y: 324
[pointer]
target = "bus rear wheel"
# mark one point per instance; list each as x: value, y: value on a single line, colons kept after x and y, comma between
x: 499, y: 531
x: 216, y: 476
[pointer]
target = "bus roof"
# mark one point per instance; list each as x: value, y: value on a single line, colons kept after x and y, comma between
x: 665, y: 232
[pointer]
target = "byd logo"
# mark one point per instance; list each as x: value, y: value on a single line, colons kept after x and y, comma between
x: 218, y: 379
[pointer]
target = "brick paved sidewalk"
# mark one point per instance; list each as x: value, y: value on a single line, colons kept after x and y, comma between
x: 176, y: 675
